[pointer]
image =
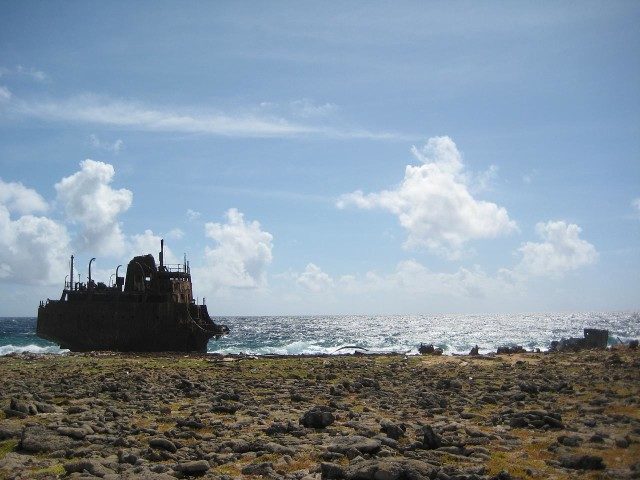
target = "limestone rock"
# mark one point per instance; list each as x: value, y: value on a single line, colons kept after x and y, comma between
x: 194, y: 467
x: 92, y: 466
x: 357, y: 442
x: 37, y: 439
x: 163, y: 444
x: 392, y: 468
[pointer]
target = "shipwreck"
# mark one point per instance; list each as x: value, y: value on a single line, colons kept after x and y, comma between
x: 151, y: 309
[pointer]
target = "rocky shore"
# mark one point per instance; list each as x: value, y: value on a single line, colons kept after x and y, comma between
x: 369, y: 417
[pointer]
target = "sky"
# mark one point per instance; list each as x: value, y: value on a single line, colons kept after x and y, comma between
x: 313, y: 158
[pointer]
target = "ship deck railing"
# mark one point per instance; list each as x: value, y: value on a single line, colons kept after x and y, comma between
x: 176, y: 268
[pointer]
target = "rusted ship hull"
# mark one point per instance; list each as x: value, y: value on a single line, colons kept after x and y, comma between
x: 127, y: 326
x: 152, y: 309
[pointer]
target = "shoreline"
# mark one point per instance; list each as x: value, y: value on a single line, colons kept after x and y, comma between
x: 357, y: 353
x: 368, y: 416
x: 242, y: 355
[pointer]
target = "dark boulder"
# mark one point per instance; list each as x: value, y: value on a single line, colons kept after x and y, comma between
x: 392, y: 430
x: 533, y: 419
x: 278, y: 428
x: 190, y: 423
x: 331, y: 471
x: 226, y: 407
x: 23, y: 406
x: 582, y: 462
x: 570, y: 440
x: 9, y: 431
x: 596, y: 338
x: 127, y: 457
x: 518, y: 422
x: 429, y: 350
x: 508, y: 350
x: 430, y: 400
x: 431, y: 440
x: 317, y: 417
x: 593, y: 338
x: 264, y: 469
x: 503, y: 475
x: 529, y: 387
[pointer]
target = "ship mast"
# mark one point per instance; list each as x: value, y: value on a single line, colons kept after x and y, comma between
x: 71, y: 275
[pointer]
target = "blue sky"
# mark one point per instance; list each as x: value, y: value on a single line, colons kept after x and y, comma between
x: 367, y: 157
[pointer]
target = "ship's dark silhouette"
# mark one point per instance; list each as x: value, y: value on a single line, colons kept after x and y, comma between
x: 152, y: 309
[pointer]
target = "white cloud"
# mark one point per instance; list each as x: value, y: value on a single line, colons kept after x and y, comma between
x: 252, y: 123
x: 192, y: 215
x: 240, y: 257
x: 38, y: 75
x: 114, y: 147
x: 18, y: 198
x: 410, y: 279
x: 33, y: 250
x: 5, y: 94
x: 636, y: 205
x: 34, y: 73
x: 562, y: 250
x: 433, y: 202
x: 314, y: 279
x: 305, y: 108
x: 89, y: 201
x: 119, y: 113
x: 413, y: 278
x: 175, y: 234
x: 483, y: 181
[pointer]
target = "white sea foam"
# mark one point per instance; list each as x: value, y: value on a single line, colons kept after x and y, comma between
x: 310, y: 348
x: 7, y: 349
x: 293, y: 348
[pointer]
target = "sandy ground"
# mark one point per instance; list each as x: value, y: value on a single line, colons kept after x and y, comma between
x: 378, y: 417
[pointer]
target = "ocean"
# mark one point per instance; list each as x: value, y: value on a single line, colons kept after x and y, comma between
x: 329, y: 334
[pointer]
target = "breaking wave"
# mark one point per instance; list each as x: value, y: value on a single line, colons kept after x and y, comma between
x: 8, y: 349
